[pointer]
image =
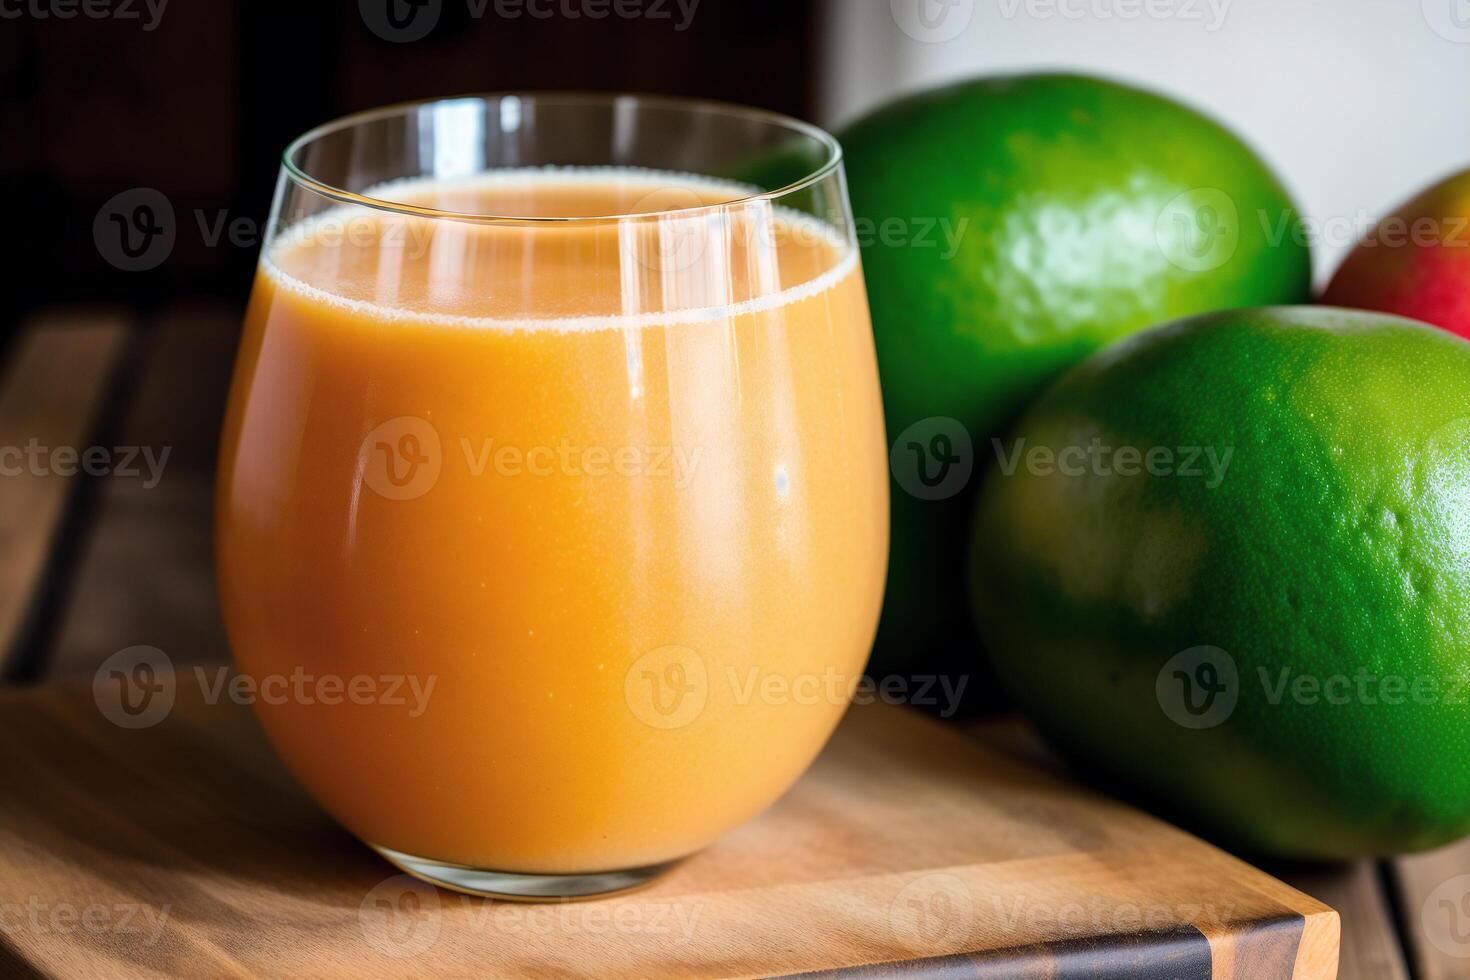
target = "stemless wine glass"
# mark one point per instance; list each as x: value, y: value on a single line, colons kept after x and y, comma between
x: 552, y: 506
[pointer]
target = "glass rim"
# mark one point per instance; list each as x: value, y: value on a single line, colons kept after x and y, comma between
x: 831, y: 162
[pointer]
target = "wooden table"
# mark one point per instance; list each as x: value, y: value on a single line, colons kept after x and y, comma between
x: 908, y: 846
x: 92, y: 564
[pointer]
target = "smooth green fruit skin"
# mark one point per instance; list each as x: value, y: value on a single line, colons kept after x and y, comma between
x: 1062, y: 194
x: 1337, y: 542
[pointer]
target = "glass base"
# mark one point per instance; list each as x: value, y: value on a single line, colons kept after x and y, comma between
x: 515, y: 887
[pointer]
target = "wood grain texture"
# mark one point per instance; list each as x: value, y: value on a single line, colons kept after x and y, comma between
x: 51, y: 394
x: 908, y: 849
x: 145, y: 575
x: 1370, y: 941
x: 187, y: 357
x: 1434, y: 899
x: 1370, y: 944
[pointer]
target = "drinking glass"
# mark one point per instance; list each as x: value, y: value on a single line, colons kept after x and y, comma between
x: 551, y: 519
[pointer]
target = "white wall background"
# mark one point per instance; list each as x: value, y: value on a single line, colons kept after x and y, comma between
x: 1356, y: 103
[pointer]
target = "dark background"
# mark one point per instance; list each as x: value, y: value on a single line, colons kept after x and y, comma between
x: 201, y: 106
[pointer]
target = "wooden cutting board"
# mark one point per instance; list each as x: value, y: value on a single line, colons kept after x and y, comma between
x: 909, y: 848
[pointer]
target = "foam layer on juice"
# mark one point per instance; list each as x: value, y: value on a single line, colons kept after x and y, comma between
x: 651, y: 191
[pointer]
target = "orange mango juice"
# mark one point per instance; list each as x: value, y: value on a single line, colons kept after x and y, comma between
x: 571, y: 534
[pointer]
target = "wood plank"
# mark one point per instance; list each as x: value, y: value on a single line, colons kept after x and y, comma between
x: 144, y: 575
x: 51, y: 399
x: 1434, y: 896
x: 184, y: 378
x: 1370, y: 941
x: 165, y: 526
x: 908, y: 846
x: 1369, y: 949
